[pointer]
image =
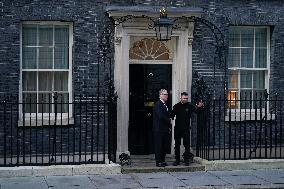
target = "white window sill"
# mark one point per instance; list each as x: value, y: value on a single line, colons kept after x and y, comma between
x: 249, y: 117
x: 45, y: 122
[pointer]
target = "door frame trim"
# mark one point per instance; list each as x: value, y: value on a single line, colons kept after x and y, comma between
x: 150, y: 62
x: 181, y: 73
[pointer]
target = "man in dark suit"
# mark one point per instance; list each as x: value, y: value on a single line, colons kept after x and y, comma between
x: 183, y: 111
x: 161, y: 126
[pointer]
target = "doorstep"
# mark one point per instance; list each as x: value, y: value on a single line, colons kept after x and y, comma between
x: 146, y: 164
x: 152, y: 169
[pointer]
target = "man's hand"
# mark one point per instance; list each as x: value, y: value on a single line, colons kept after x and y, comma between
x: 200, y: 104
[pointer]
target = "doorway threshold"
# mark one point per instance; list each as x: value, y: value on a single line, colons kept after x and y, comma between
x: 147, y: 164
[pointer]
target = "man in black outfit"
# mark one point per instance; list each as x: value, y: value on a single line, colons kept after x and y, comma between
x: 183, y: 111
x: 161, y: 126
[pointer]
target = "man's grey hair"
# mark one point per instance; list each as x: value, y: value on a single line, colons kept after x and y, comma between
x: 162, y: 91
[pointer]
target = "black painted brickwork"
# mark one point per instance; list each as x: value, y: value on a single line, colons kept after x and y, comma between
x: 88, y: 18
x: 236, y: 13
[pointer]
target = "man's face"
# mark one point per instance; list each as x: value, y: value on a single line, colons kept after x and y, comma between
x: 164, y: 96
x: 184, y: 99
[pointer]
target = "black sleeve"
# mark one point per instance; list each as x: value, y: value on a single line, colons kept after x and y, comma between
x: 173, y: 112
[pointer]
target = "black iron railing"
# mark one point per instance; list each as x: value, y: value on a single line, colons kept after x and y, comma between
x: 56, y: 131
x: 241, y: 129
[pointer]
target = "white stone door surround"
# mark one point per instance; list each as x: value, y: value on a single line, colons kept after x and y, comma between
x: 181, y: 63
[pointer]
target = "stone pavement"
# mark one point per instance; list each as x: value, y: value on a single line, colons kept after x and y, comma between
x: 168, y: 180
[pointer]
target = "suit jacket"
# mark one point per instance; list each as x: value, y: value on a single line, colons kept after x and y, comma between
x: 161, y: 118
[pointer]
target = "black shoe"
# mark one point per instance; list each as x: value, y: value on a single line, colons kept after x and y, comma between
x: 159, y: 165
x: 186, y: 162
x: 176, y: 163
x: 164, y: 164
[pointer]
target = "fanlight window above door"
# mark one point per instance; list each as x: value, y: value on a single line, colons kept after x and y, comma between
x: 149, y: 49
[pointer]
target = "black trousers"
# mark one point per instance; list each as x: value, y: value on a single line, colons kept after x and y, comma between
x: 185, y: 134
x: 160, y: 145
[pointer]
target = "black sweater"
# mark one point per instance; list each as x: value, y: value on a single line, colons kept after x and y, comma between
x: 183, y: 114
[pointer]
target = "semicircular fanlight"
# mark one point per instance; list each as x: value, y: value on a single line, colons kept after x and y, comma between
x: 149, y: 49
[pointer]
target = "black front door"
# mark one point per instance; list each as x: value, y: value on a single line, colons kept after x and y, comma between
x: 145, y: 81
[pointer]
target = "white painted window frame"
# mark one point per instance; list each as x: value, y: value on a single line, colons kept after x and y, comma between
x: 47, y: 116
x: 267, y: 70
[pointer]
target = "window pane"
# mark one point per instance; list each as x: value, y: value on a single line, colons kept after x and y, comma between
x: 247, y: 58
x: 45, y: 103
x: 29, y: 102
x: 260, y: 58
x: 247, y: 37
x: 61, y: 81
x: 259, y: 80
x: 246, y: 94
x: 233, y: 79
x: 61, y: 36
x: 234, y: 37
x: 260, y: 37
x: 61, y: 56
x: 45, y: 58
x: 45, y: 81
x: 234, y: 57
x: 29, y: 57
x: 245, y: 99
x: 259, y: 99
x: 259, y: 94
x: 246, y: 79
x: 29, y: 81
x: 233, y: 99
x: 29, y: 35
x: 45, y: 35
x: 62, y: 103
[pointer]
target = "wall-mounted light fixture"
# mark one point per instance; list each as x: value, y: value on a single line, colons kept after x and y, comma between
x: 163, y: 26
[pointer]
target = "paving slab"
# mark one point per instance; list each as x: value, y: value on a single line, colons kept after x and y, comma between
x: 150, y: 169
x: 272, y: 176
x: 158, y: 180
x: 236, y: 179
x: 232, y: 173
x: 69, y: 182
x: 199, y: 179
x: 23, y: 183
x: 258, y: 187
x: 114, y: 181
x: 244, y: 180
x: 248, y: 187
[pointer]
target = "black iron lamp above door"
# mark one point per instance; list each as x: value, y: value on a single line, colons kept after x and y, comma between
x: 163, y: 26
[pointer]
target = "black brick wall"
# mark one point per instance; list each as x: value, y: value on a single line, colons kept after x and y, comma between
x: 236, y: 13
x: 88, y: 18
